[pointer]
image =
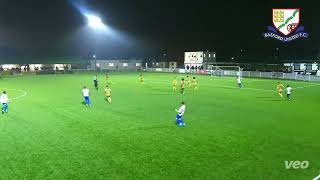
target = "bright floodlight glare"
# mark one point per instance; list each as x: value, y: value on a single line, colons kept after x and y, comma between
x: 95, y: 22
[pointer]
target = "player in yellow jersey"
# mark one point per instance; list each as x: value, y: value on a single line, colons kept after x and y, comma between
x: 141, y: 79
x: 174, y: 84
x: 189, y: 81
x: 195, y: 83
x: 107, y: 76
x: 280, y: 88
x: 107, y: 92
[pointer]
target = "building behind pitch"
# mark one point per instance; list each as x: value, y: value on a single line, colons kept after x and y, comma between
x: 116, y: 65
x: 199, y: 60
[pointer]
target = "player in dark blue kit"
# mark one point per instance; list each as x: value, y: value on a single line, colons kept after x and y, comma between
x: 95, y: 82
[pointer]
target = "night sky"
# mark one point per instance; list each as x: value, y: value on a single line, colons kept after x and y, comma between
x: 151, y: 28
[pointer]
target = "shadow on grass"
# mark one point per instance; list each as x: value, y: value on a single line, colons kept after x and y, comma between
x: 151, y: 128
x: 263, y: 97
x: 277, y: 100
x: 162, y: 93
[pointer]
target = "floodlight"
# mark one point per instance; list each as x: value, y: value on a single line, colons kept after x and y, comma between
x: 95, y: 22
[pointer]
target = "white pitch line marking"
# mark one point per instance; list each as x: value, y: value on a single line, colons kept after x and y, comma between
x: 234, y: 87
x: 24, y: 93
x: 307, y: 86
x: 231, y: 87
x: 317, y: 178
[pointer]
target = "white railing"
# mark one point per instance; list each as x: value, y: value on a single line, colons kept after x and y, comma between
x: 248, y: 74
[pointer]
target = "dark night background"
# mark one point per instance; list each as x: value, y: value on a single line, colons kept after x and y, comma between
x: 151, y: 28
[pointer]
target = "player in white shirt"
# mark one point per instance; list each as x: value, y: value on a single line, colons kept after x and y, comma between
x: 180, y: 112
x: 4, y: 100
x: 86, y: 94
x: 289, y: 92
x: 239, y: 82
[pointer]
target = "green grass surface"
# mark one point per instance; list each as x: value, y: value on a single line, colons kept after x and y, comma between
x: 231, y: 133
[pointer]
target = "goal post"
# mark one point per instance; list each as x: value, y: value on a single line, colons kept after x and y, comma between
x: 226, y: 71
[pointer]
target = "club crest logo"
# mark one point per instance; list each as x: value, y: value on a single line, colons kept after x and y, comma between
x: 286, y: 25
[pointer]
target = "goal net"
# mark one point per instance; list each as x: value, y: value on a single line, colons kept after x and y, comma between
x: 226, y: 71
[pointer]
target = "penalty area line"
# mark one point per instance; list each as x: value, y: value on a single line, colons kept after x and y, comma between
x: 303, y: 87
x: 247, y: 88
x: 229, y: 87
x: 24, y: 93
x: 232, y: 87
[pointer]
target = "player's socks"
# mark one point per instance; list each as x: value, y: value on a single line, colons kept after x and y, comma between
x: 181, y: 124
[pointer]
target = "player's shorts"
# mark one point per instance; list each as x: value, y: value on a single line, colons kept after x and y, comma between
x: 178, y: 116
x: 4, y: 105
x: 87, y: 100
x: 108, y: 96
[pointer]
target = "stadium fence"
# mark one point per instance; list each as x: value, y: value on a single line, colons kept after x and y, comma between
x: 246, y: 74
x: 216, y: 72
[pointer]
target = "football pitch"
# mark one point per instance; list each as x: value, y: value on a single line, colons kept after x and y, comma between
x: 230, y: 133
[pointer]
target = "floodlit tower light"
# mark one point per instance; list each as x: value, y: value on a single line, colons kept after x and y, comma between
x: 95, y: 22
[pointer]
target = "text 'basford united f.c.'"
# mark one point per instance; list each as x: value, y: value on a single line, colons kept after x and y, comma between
x: 286, y: 25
